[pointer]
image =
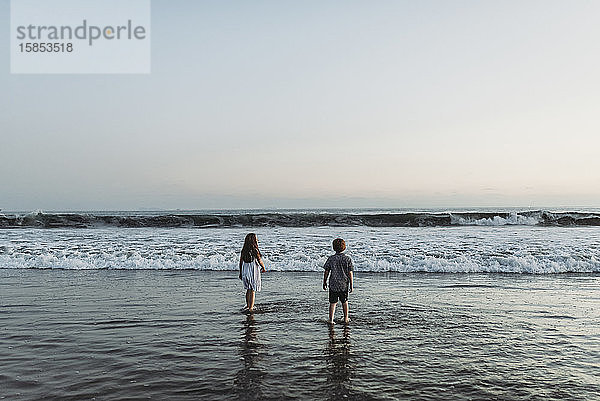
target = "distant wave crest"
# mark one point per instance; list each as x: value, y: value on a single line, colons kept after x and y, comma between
x: 89, y: 220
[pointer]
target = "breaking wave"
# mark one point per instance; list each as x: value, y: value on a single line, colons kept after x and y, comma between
x: 466, y: 249
x: 507, y: 264
x: 301, y: 219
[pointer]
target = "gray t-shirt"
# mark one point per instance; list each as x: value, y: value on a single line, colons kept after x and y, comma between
x: 340, y: 266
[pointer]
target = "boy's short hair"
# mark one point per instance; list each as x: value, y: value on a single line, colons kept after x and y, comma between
x: 339, y: 245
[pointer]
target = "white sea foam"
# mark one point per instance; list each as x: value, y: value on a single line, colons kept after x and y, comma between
x: 430, y: 265
x: 426, y: 249
x: 513, y: 219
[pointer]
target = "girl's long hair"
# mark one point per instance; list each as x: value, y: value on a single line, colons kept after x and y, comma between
x: 250, y: 250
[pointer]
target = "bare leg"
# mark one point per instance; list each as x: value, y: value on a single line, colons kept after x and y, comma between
x: 331, y: 312
x: 250, y: 301
x: 346, y: 312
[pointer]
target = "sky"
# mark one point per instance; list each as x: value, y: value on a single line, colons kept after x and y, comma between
x: 259, y: 104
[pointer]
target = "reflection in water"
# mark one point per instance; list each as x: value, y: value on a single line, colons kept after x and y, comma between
x: 249, y: 377
x: 339, y: 369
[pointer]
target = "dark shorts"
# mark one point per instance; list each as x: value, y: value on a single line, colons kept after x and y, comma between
x: 335, y: 295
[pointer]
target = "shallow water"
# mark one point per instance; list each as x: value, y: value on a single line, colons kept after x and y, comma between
x: 149, y: 334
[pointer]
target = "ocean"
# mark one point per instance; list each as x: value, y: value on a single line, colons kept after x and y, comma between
x: 462, y: 304
x: 378, y: 240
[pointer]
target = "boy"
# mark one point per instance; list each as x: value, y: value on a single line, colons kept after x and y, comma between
x: 340, y: 281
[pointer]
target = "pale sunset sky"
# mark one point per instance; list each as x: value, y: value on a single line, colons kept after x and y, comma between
x: 257, y: 104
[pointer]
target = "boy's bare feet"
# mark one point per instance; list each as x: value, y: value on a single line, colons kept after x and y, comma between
x: 347, y: 320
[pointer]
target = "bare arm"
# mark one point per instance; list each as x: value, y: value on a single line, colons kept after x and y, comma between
x: 325, y: 275
x: 240, y: 266
x: 351, y: 277
x: 262, y: 264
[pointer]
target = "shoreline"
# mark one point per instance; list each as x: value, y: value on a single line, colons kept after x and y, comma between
x: 320, y: 273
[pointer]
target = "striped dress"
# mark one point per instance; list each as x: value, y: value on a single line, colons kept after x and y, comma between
x: 251, y: 275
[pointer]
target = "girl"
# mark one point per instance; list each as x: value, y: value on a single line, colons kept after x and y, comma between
x: 250, y: 260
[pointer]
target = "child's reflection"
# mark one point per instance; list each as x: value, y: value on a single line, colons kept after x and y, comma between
x: 249, y: 377
x: 339, y: 369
